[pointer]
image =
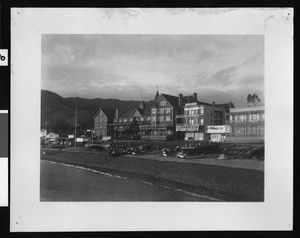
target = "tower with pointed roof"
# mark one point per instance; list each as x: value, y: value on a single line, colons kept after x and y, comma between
x: 156, y: 95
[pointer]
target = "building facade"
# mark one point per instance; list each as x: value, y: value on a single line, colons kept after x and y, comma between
x: 123, y: 119
x: 246, y: 124
x: 101, y: 121
x: 196, y: 116
x: 162, y: 126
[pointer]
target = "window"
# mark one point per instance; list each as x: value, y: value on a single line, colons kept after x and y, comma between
x: 187, y: 121
x: 169, y: 132
x: 168, y: 118
x: 125, y: 120
x: 142, y: 119
x: 201, y: 121
x: 149, y: 118
x: 153, y: 118
x: 161, y: 111
x: 200, y: 111
x: 161, y: 118
x: 168, y: 110
x: 163, y: 103
x: 153, y: 111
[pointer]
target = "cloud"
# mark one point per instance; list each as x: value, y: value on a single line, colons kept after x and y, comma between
x: 252, y: 81
x: 223, y: 77
x: 121, y: 66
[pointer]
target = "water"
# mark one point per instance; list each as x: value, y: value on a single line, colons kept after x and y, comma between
x: 67, y: 183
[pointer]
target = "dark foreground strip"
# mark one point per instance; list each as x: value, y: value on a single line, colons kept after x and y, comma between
x: 158, y: 181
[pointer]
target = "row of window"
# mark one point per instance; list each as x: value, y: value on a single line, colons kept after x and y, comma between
x: 158, y: 132
x: 162, y: 103
x: 161, y: 111
x: 101, y: 119
x: 247, y: 117
x: 192, y: 121
x: 131, y: 119
x: 250, y: 130
x: 193, y: 112
x: 161, y: 118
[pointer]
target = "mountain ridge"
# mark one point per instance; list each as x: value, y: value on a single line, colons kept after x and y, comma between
x: 58, y: 113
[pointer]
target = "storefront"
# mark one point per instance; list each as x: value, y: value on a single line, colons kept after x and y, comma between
x: 190, y: 132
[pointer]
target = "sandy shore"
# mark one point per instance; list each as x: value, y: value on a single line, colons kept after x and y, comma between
x: 224, y: 182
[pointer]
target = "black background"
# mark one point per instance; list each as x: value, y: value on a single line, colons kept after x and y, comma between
x: 5, y: 100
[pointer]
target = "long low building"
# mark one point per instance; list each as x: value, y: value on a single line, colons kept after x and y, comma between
x: 246, y: 124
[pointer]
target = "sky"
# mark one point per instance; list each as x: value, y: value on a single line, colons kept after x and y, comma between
x: 218, y: 68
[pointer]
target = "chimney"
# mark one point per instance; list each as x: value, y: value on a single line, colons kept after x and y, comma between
x: 142, y: 105
x: 195, y: 96
x: 117, y: 113
x: 214, y: 104
x: 180, y: 100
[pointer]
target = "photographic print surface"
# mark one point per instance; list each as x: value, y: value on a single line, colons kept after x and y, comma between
x: 151, y: 119
x: 193, y: 102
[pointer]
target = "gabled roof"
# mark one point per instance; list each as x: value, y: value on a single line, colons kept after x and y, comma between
x: 137, y: 109
x: 173, y: 100
x: 125, y: 114
x: 108, y: 112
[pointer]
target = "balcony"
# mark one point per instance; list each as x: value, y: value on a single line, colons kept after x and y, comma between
x: 153, y: 126
x: 187, y: 127
x: 188, y: 116
x: 154, y: 137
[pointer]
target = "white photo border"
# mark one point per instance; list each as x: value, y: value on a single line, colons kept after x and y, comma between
x: 29, y: 214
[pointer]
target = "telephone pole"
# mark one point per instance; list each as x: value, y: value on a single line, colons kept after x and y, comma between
x: 75, y: 127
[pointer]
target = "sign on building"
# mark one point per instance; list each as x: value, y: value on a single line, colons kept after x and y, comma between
x: 217, y: 129
x: 71, y: 136
x: 80, y: 139
x: 187, y: 128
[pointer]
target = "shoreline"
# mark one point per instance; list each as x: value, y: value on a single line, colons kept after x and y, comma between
x: 223, y: 183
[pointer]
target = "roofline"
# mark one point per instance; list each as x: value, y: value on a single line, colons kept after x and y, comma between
x: 247, y: 109
x: 134, y: 110
x: 98, y: 112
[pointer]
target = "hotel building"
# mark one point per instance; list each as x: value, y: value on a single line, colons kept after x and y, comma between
x: 246, y: 124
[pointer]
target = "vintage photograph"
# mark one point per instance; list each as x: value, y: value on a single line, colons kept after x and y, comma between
x: 152, y: 117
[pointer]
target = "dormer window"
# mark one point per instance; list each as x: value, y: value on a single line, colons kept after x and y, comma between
x: 163, y: 103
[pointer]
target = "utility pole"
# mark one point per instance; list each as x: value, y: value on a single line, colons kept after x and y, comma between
x: 75, y: 127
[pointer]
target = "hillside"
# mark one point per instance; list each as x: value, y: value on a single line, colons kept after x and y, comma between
x: 58, y: 113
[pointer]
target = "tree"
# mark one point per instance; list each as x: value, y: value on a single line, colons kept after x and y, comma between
x: 253, y: 99
x: 134, y: 127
